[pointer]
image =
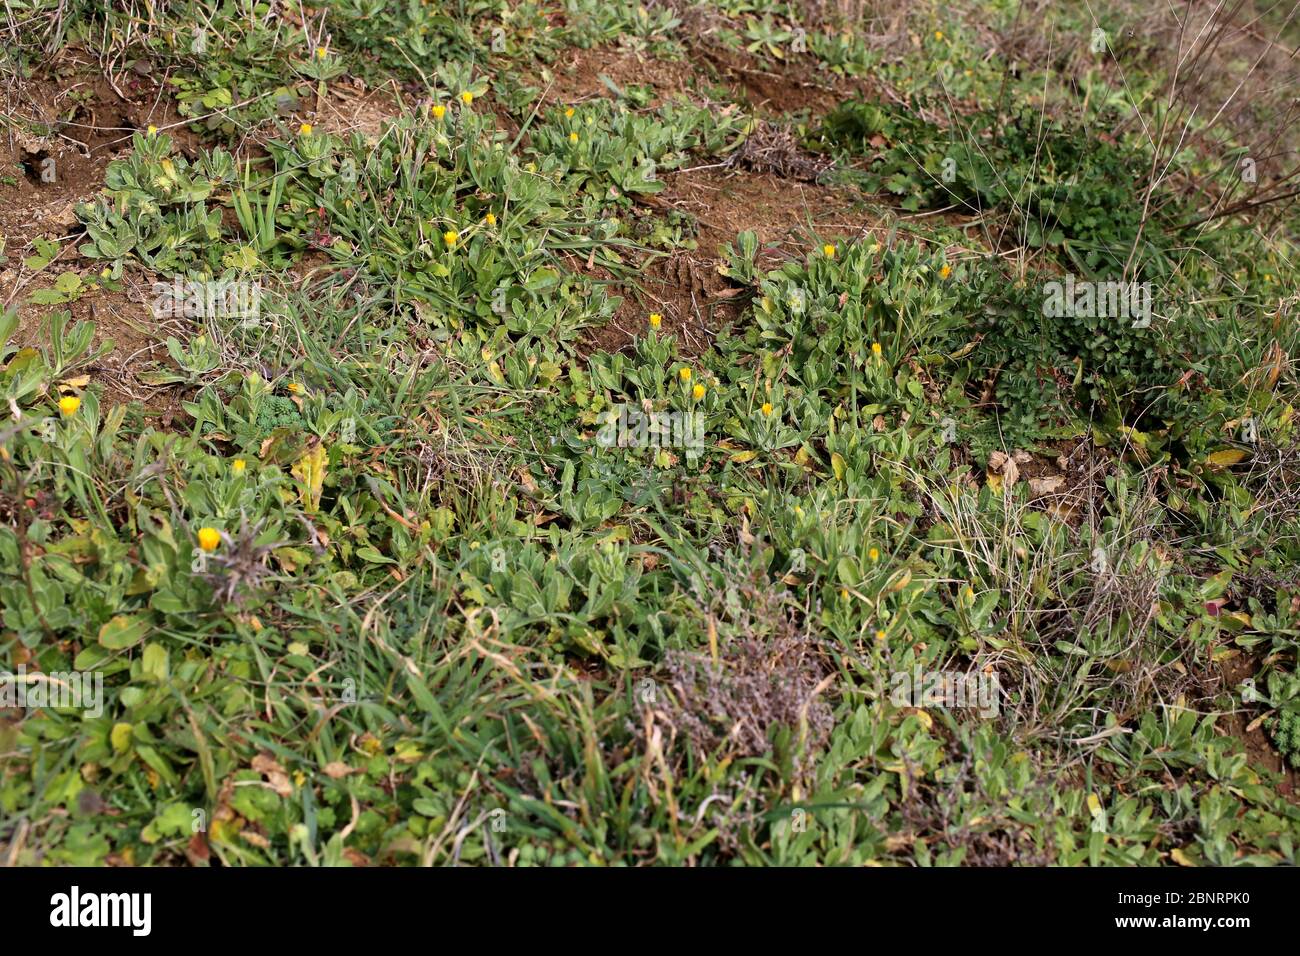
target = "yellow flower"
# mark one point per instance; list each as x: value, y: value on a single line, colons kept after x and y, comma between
x: 873, y: 554
x: 467, y: 97
x: 828, y: 251
x: 945, y: 271
x: 450, y: 237
x: 152, y: 131
x: 294, y: 387
x: 938, y: 34
x: 656, y: 320
x: 321, y: 53
x: 304, y: 129
x: 209, y: 539
x: 875, y: 349
x: 685, y: 374
x: 573, y: 137
x: 880, y: 635
x: 106, y: 272
x: 568, y: 114
x: 698, y: 392
x: 238, y: 466
x: 767, y: 408
x: 844, y: 594
x: 490, y: 219
x: 439, y: 111
x: 69, y: 404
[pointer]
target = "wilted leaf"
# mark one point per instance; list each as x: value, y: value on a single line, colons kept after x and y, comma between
x: 310, y: 471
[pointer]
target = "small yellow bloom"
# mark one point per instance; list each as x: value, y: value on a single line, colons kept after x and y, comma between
x: 69, y: 404
x: 152, y: 131
x: 321, y: 53
x: 209, y: 539
x: 873, y: 555
x: 938, y: 34
x: 467, y: 97
x: 573, y: 137
x: 304, y: 129
x: 828, y: 251
x: 767, y: 408
x: 106, y: 272
x: 945, y: 271
x: 490, y: 219
x: 698, y: 392
x: 880, y: 635
x: 656, y: 320
x: 439, y: 111
x: 294, y: 387
x: 844, y: 594
x: 450, y: 237
x: 875, y: 349
x: 238, y: 466
x: 685, y: 374
x: 568, y: 114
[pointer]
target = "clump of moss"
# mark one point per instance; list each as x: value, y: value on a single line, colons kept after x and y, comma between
x: 1284, y: 728
x: 277, y: 411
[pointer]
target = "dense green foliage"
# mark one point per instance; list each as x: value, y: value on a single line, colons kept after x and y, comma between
x: 374, y: 589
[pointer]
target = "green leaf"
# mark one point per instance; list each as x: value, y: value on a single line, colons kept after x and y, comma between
x: 123, y: 631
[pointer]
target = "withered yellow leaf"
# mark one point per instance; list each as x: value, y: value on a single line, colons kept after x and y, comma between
x: 310, y: 472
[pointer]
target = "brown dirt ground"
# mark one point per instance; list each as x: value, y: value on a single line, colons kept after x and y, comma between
x: 124, y: 318
x: 77, y: 118
x: 791, y: 86
x: 1259, y: 749
x: 82, y: 121
x: 686, y: 288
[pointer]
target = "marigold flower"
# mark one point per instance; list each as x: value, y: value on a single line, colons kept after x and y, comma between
x: 238, y: 466
x: 450, y: 237
x: 767, y: 408
x: 656, y: 320
x: 209, y: 539
x: 490, y: 219
x: 439, y: 111
x: 698, y: 392
x: 685, y: 374
x: 305, y: 129
x: 875, y: 349
x: 945, y: 271
x: 467, y: 97
x: 828, y: 251
x: 69, y: 404
x: 573, y: 137
x: 873, y: 554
